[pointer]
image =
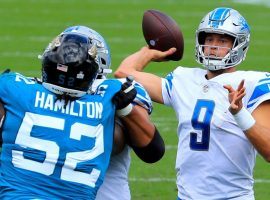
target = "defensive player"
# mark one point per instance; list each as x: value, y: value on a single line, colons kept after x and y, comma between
x: 57, y: 138
x: 219, y: 136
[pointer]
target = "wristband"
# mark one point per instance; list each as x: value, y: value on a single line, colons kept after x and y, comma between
x: 124, y: 111
x: 244, y: 119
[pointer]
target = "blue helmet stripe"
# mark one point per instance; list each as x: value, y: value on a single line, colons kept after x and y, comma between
x: 220, y: 14
x: 217, y: 18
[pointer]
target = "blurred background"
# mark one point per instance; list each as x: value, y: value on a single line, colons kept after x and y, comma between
x: 26, y: 28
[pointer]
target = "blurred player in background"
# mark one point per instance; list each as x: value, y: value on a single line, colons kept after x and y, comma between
x: 223, y: 113
x: 57, y: 136
x: 115, y: 185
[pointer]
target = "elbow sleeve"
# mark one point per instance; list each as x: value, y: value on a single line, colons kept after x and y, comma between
x: 154, y: 151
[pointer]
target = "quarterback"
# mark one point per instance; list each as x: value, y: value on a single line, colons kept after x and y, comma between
x: 223, y: 113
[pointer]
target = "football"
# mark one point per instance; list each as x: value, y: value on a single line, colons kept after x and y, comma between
x: 161, y: 32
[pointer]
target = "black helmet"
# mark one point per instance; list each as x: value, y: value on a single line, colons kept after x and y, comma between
x: 68, y: 65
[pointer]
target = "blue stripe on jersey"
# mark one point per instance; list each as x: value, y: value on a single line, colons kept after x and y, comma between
x: 265, y: 79
x: 218, y: 17
x: 168, y: 85
x: 251, y: 104
x: 143, y: 102
x: 258, y: 92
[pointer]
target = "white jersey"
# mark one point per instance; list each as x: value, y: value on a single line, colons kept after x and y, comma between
x: 214, y: 160
x: 115, y: 185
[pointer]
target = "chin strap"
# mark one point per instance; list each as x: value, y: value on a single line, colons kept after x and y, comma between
x: 61, y: 90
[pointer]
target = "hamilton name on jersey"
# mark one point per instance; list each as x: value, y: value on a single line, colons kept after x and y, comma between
x: 75, y: 108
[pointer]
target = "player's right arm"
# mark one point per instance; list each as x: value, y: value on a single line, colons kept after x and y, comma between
x: 143, y: 136
x: 135, y: 64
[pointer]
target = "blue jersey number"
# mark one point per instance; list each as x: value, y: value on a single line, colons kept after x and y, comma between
x: 200, y: 121
x: 69, y: 172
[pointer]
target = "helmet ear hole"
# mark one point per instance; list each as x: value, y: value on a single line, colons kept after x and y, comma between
x: 201, y: 37
x: 103, y: 61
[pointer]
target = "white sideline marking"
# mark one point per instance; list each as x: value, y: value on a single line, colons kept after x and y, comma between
x: 152, y: 179
x: 262, y: 181
x: 174, y: 180
x: 168, y: 147
x: 262, y: 2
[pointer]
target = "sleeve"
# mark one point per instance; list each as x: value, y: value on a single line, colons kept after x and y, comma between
x: 259, y: 91
x: 12, y: 86
x: 167, y: 86
x: 5, y: 78
x: 142, y: 98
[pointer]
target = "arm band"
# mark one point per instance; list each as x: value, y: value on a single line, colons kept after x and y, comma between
x: 124, y: 111
x: 244, y: 119
x: 154, y: 151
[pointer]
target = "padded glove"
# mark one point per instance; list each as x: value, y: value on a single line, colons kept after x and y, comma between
x: 124, y: 97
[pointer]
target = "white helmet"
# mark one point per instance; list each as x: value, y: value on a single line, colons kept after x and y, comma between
x: 223, y: 21
x: 103, y: 57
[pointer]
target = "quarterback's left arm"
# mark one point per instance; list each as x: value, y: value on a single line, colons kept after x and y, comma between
x: 256, y: 126
x: 259, y: 133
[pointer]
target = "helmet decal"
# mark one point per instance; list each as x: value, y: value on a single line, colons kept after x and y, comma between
x: 218, y: 17
x: 244, y: 25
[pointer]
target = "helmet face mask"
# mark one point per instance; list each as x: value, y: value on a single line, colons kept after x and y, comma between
x: 69, y: 66
x: 103, y: 57
x: 215, y: 60
x: 224, y: 21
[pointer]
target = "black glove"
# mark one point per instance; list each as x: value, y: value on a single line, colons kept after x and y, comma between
x: 124, y: 97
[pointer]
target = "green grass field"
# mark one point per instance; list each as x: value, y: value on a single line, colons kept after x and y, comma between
x: 28, y: 26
